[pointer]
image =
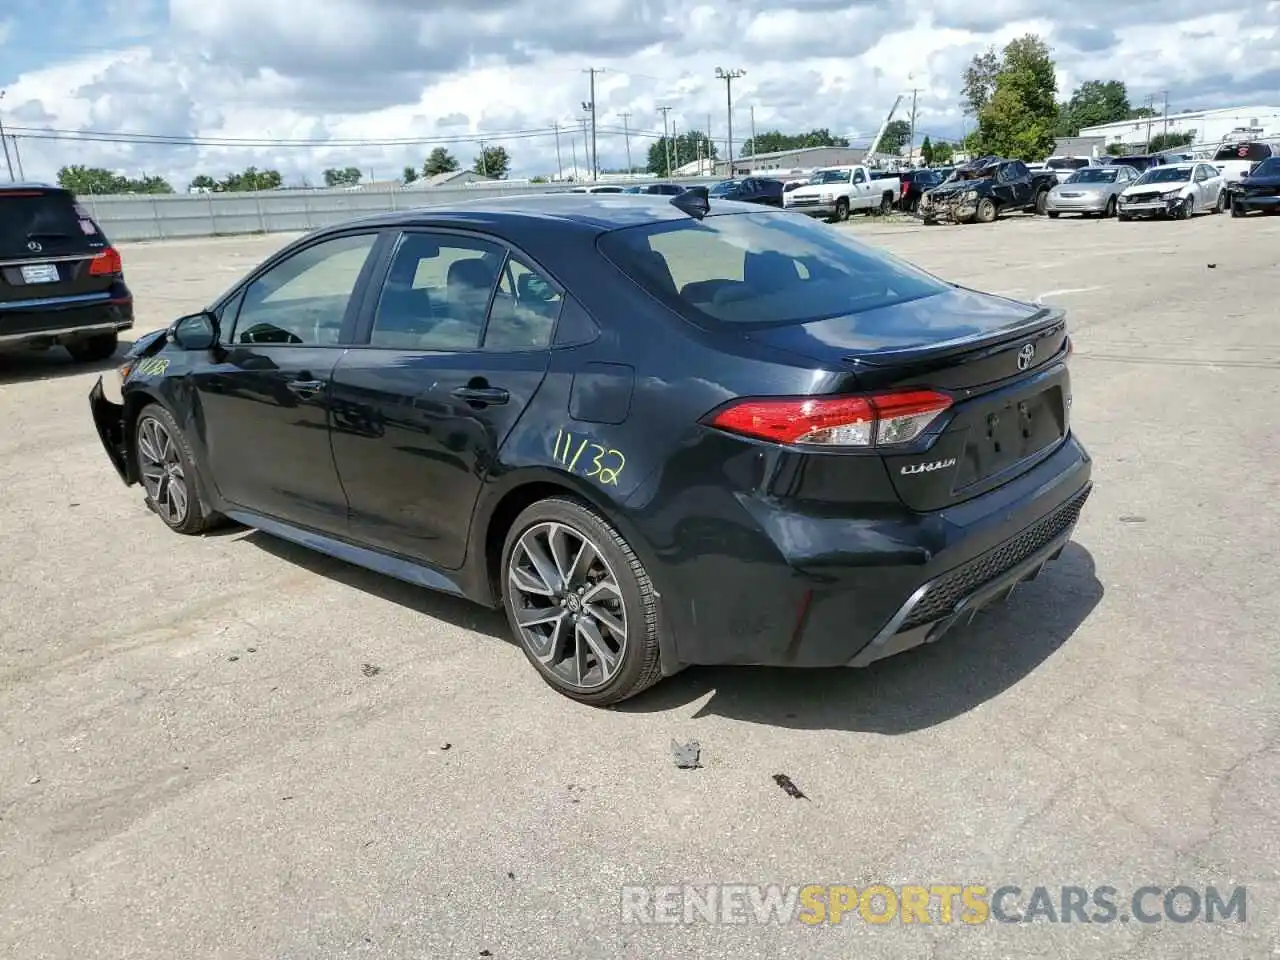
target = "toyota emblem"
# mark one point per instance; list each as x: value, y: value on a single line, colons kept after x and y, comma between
x: 1026, y: 355
x: 34, y: 247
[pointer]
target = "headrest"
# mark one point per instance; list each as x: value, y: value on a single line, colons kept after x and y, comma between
x: 471, y: 272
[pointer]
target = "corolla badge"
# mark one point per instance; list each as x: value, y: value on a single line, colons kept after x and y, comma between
x: 1026, y: 355
x: 34, y: 246
x: 928, y: 467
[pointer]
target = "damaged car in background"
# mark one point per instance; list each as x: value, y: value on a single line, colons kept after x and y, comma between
x: 1091, y: 191
x: 980, y: 191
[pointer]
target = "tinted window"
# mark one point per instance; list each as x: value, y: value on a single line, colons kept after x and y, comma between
x: 762, y: 268
x: 50, y: 218
x: 303, y: 300
x: 524, y: 309
x: 725, y: 187
x: 1267, y: 168
x: 1252, y: 152
x: 832, y: 176
x: 1066, y: 163
x: 437, y: 292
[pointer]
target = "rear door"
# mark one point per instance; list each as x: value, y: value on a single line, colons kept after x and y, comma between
x: 453, y: 346
x: 48, y: 243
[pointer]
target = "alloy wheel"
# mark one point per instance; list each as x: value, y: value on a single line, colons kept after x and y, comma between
x: 568, y: 605
x: 163, y: 476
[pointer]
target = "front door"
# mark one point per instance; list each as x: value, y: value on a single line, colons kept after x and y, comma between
x: 265, y: 402
x: 457, y: 345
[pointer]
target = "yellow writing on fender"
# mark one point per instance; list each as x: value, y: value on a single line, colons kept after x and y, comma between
x: 152, y: 366
x: 584, y: 456
x: 880, y: 904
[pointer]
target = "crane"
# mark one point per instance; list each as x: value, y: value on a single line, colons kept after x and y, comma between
x: 883, y: 127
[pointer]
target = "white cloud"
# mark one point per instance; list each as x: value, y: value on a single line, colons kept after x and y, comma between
x: 382, y: 69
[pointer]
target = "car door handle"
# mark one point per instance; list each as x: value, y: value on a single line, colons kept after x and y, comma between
x: 482, y: 394
x: 305, y: 386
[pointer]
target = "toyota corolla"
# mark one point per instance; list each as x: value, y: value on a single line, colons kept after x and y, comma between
x: 658, y: 431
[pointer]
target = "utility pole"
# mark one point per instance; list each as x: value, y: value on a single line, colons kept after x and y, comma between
x: 573, y: 147
x: 585, y: 144
x: 666, y: 140
x: 555, y: 125
x: 911, y: 146
x: 711, y: 166
x: 484, y: 161
x: 4, y: 142
x: 728, y: 76
x: 675, y: 146
x: 18, y: 157
x: 626, y: 136
x: 755, y: 147
x: 1166, y: 112
x: 595, y: 157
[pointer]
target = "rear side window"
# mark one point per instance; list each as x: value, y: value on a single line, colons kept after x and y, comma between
x: 51, y: 219
x: 762, y: 268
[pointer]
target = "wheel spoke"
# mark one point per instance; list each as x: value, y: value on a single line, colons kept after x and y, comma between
x: 560, y: 543
x: 543, y: 565
x: 606, y: 618
x: 528, y: 581
x: 177, y: 500
x: 604, y: 655
x: 534, y: 616
x: 554, y: 642
x: 601, y: 592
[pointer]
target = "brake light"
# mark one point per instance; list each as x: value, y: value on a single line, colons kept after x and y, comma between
x: 873, y: 420
x: 906, y: 187
x: 107, y: 263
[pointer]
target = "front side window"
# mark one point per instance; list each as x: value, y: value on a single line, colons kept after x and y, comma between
x: 303, y: 300
x: 762, y: 268
x: 436, y: 295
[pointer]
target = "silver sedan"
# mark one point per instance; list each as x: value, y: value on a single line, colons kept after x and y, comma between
x: 1090, y: 191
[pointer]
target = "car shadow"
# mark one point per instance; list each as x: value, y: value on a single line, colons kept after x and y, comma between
x: 430, y: 603
x: 28, y: 365
x: 913, y: 690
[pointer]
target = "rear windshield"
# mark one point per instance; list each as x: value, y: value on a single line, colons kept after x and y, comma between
x: 50, y: 219
x: 1253, y: 152
x: 762, y: 268
x: 1066, y: 163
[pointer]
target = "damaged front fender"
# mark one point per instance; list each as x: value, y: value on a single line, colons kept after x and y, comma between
x: 951, y: 208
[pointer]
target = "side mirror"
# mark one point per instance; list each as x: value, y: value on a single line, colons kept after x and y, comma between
x: 199, y: 331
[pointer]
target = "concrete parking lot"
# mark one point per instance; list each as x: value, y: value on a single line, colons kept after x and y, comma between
x: 227, y: 747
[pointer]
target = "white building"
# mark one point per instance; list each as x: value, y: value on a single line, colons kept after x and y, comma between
x: 1210, y: 127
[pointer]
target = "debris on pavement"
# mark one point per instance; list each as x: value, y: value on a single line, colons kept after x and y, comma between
x: 786, y: 783
x: 446, y: 746
x: 687, y: 755
x: 369, y: 670
x: 1130, y: 518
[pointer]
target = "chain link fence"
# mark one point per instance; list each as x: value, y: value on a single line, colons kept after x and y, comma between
x: 168, y: 216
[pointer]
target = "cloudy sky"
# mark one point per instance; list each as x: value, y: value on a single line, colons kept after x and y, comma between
x: 457, y: 71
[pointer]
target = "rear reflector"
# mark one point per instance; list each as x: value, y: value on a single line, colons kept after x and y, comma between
x: 107, y: 263
x: 874, y: 420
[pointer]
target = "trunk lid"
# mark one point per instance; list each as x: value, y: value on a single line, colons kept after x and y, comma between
x: 47, y: 241
x: 1000, y: 360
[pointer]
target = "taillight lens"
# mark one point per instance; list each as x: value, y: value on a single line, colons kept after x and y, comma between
x: 882, y: 419
x: 107, y: 263
x: 906, y: 187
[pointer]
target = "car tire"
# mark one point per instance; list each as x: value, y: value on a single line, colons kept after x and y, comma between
x: 545, y: 591
x: 94, y: 349
x: 167, y: 470
x: 886, y: 204
x: 1110, y: 210
x: 1238, y: 209
x: 1042, y: 202
x: 1186, y: 209
x: 1221, y: 205
x: 1124, y: 217
x: 1053, y: 214
x: 842, y: 210
x: 986, y: 212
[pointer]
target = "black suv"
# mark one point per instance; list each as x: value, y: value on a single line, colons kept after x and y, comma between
x: 61, y: 281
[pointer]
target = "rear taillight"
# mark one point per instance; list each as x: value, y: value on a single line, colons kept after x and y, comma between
x: 106, y: 264
x: 875, y: 420
x: 906, y: 187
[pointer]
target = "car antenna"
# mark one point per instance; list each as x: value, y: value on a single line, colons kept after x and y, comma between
x: 692, y: 202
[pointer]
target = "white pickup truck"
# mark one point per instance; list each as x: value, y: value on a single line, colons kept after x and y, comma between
x: 835, y: 192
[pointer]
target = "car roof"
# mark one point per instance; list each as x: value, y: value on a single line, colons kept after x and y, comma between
x: 596, y: 212
x: 31, y: 185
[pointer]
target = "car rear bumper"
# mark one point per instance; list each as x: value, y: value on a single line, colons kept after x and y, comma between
x: 108, y: 418
x: 52, y: 321
x: 846, y: 591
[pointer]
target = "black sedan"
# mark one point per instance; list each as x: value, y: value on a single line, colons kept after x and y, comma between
x: 762, y: 190
x: 1258, y: 190
x: 660, y: 432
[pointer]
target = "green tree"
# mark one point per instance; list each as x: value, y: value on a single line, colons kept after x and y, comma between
x: 896, y: 135
x: 346, y: 177
x: 410, y: 175
x: 1170, y: 141
x: 492, y: 162
x: 1092, y: 103
x: 943, y: 153
x: 81, y: 180
x: 1116, y: 150
x: 979, y: 81
x: 248, y: 179
x: 1021, y: 116
x: 926, y: 151
x: 772, y: 141
x: 439, y: 161
x: 685, y: 148
x: 203, y: 182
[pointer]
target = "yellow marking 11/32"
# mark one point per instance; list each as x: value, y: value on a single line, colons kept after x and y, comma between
x: 601, y: 462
